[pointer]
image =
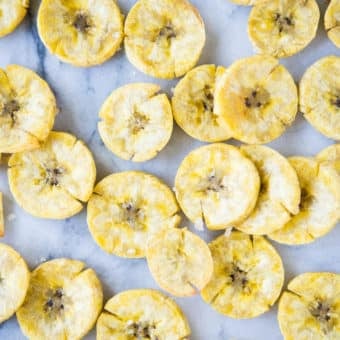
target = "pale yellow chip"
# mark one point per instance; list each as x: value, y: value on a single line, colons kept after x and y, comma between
x: 320, y: 97
x: 330, y: 155
x: 14, y: 281
x: 279, y: 196
x: 126, y: 209
x: 179, y: 261
x: 136, y: 122
x: 193, y: 104
x: 142, y: 314
x: 248, y: 276
x: 164, y: 38
x: 217, y: 185
x: 310, y: 307
x: 63, y: 301
x: 27, y: 109
x: 282, y: 28
x: 256, y: 99
x: 12, y: 12
x: 2, y: 221
x: 81, y: 32
x: 332, y: 22
x: 52, y: 181
x: 319, y: 206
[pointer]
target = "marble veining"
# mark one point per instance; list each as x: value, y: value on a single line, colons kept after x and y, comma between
x: 80, y: 93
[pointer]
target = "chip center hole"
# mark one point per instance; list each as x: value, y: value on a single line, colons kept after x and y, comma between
x: 256, y: 98
x: 82, y: 22
x: 337, y: 102
x: 168, y: 32
x: 215, y: 183
x: 284, y: 22
x: 208, y: 99
x: 321, y: 311
x: 141, y: 330
x: 55, y: 301
x: 132, y: 214
x: 53, y: 175
x: 10, y: 108
x: 138, y: 122
x: 239, y: 276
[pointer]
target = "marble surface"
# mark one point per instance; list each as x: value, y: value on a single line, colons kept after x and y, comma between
x: 80, y: 93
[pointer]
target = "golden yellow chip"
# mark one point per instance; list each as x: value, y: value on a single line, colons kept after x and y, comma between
x: 27, y: 109
x: 179, y: 261
x: 52, y: 181
x: 320, y: 98
x: 142, y: 314
x: 193, y: 104
x: 14, y: 281
x: 332, y: 22
x: 81, y: 32
x: 164, y: 38
x: 319, y: 206
x: 310, y: 307
x: 282, y: 28
x: 248, y: 276
x: 217, y: 185
x: 127, y: 208
x: 279, y: 196
x: 256, y: 99
x: 12, y: 12
x: 63, y: 301
x: 136, y: 122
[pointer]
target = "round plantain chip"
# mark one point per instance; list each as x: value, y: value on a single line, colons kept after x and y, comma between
x: 217, y: 185
x: 164, y: 38
x: 256, y: 99
x: 320, y: 97
x: 52, y: 181
x: 142, y: 314
x: 14, y: 281
x: 136, y: 122
x: 63, y: 301
x: 282, y: 28
x: 279, y: 196
x: 27, y: 109
x: 12, y: 12
x: 332, y: 22
x: 179, y: 261
x: 310, y: 307
x: 248, y: 276
x: 193, y: 104
x: 126, y: 209
x: 319, y: 206
x: 330, y: 155
x: 83, y: 33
